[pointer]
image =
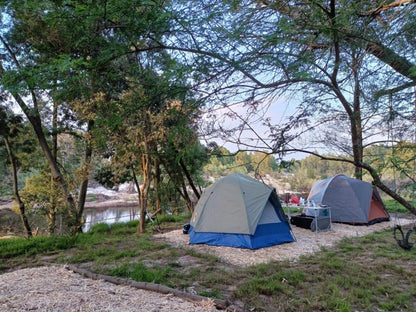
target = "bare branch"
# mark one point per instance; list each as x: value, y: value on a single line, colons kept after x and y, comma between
x: 386, y: 7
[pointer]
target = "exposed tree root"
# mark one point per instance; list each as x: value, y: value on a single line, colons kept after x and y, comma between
x: 219, y: 304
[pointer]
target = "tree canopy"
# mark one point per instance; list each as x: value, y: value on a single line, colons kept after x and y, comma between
x: 338, y: 57
x: 143, y: 82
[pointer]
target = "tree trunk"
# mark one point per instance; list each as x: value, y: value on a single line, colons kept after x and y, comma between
x: 356, y: 124
x: 19, y: 201
x: 85, y: 176
x: 144, y: 189
x: 51, y: 221
x: 144, y: 192
x: 143, y: 212
x: 51, y: 214
x: 188, y: 200
x: 179, y: 184
x: 157, y: 181
x: 377, y: 182
x: 136, y: 183
x: 189, y: 178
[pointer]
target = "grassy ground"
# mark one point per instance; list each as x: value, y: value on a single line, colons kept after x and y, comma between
x: 361, y: 274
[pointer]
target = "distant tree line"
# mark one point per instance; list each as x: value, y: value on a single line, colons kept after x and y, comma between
x: 395, y: 164
x: 223, y: 162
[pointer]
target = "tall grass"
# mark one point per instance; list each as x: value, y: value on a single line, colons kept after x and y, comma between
x: 393, y: 206
x: 141, y: 273
x: 20, y: 246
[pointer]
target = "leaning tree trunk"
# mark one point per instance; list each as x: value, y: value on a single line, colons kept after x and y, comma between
x: 85, y: 177
x: 177, y: 177
x: 16, y: 193
x: 187, y: 198
x: 33, y: 116
x: 189, y: 178
x: 34, y: 119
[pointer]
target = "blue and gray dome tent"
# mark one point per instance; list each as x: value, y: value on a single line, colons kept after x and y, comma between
x: 239, y: 211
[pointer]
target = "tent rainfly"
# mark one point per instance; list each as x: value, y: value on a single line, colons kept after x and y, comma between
x: 350, y: 200
x: 239, y: 211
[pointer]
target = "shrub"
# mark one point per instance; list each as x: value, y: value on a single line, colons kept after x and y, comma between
x: 99, y: 228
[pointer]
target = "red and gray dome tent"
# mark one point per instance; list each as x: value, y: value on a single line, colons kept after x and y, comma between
x: 350, y: 200
x: 239, y: 211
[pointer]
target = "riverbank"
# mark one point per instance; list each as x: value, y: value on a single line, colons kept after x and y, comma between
x: 99, y: 197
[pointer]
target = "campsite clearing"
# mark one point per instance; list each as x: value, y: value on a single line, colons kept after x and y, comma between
x: 322, y: 281
x: 306, y: 242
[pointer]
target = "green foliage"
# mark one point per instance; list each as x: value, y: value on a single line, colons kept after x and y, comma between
x: 43, y: 196
x: 39, y: 190
x: 307, y: 171
x: 16, y: 133
x: 89, y: 69
x: 397, y: 165
x: 105, y: 176
x: 222, y: 162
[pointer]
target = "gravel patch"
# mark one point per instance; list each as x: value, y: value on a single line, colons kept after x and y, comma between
x: 57, y: 289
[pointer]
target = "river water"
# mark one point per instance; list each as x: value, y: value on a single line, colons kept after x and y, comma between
x: 108, y: 215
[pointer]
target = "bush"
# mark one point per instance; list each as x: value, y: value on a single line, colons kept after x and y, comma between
x: 99, y: 228
x: 173, y: 218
